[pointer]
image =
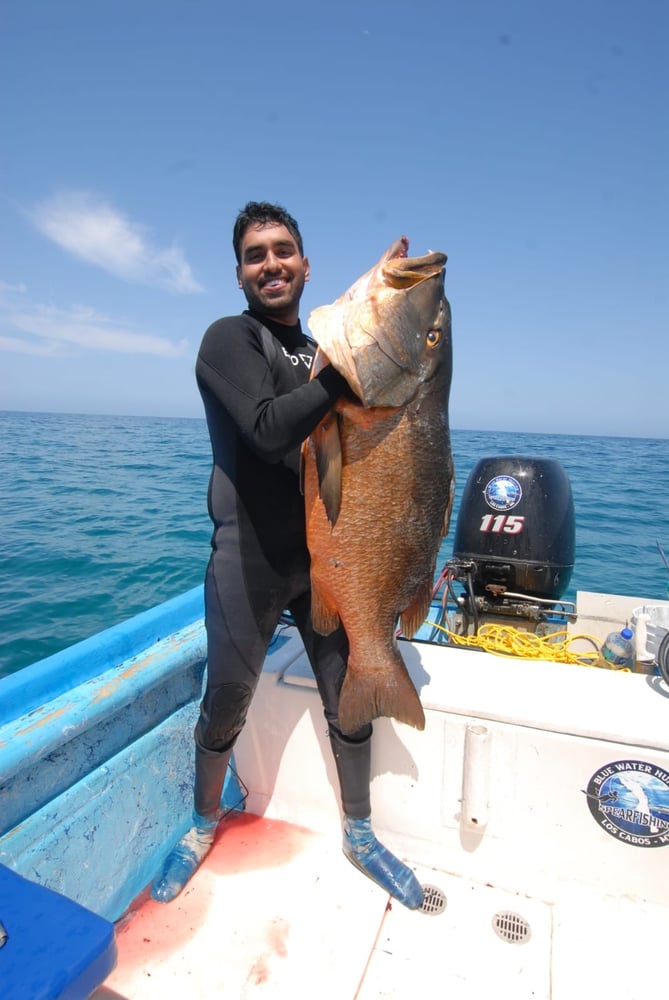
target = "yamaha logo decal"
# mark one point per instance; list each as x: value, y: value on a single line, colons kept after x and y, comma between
x: 503, y: 493
x: 630, y: 800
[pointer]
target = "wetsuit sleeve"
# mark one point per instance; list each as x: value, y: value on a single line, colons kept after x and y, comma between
x: 233, y: 368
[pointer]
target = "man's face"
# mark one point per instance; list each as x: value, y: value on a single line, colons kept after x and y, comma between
x: 272, y: 273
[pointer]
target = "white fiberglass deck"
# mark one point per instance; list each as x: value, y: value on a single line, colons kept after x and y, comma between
x: 277, y: 911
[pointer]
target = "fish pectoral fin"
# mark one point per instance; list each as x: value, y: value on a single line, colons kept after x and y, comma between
x: 413, y: 617
x: 371, y: 694
x: 326, y: 441
x: 449, y: 508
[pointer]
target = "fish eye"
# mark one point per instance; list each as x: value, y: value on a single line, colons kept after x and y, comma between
x: 433, y: 338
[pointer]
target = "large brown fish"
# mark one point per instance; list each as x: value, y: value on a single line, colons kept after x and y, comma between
x: 378, y: 475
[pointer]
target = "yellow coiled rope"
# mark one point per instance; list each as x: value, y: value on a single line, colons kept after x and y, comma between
x: 503, y: 640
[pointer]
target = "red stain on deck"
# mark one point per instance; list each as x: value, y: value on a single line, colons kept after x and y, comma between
x: 246, y: 843
x: 278, y: 937
x: 266, y: 916
x: 277, y: 945
x: 259, y: 972
x: 254, y: 842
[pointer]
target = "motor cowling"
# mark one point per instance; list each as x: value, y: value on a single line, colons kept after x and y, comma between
x: 516, y: 525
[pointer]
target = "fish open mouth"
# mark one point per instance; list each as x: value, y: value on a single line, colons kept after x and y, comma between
x: 401, y: 271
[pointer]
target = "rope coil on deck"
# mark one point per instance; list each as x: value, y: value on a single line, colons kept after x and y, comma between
x: 504, y: 640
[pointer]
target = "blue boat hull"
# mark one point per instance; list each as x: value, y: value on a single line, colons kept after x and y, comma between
x: 96, y: 756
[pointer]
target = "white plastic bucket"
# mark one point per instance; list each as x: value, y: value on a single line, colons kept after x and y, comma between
x: 657, y: 625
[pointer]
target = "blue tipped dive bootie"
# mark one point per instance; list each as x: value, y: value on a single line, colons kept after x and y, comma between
x: 373, y: 859
x: 184, y: 859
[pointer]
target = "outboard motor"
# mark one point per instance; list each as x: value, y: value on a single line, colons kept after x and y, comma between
x: 514, y: 538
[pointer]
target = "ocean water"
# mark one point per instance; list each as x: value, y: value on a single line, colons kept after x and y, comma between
x: 102, y: 517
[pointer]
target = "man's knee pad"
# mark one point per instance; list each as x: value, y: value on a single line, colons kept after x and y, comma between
x: 222, y: 716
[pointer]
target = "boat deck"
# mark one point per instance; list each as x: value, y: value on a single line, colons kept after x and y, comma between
x: 277, y: 911
x: 536, y: 802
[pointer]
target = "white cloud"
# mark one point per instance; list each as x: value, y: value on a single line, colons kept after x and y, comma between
x: 49, y: 332
x: 93, y: 230
x: 14, y: 345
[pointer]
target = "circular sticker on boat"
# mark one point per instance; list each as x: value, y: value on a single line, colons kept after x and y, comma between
x: 503, y: 493
x: 630, y: 800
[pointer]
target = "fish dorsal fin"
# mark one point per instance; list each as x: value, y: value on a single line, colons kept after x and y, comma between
x: 326, y: 441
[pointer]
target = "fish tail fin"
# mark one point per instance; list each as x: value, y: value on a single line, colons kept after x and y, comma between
x: 370, y: 694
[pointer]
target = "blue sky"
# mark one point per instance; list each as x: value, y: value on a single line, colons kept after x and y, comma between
x: 527, y: 140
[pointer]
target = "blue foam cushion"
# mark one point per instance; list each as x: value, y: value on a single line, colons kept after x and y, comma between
x: 55, y: 948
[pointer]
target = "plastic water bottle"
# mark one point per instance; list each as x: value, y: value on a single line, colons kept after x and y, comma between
x: 618, y: 650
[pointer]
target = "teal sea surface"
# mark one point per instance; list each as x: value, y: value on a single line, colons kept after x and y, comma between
x: 102, y: 517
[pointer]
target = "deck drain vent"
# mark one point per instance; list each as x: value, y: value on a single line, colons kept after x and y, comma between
x: 434, y: 901
x: 511, y: 927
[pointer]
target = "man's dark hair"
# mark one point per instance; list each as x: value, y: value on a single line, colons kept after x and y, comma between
x: 260, y: 213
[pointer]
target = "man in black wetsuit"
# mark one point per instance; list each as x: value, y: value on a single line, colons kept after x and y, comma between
x: 253, y: 374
